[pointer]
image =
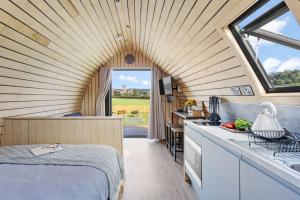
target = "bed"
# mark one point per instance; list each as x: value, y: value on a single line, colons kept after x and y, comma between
x: 78, y: 172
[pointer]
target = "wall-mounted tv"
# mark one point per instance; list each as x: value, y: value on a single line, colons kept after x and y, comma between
x: 168, y: 85
x: 161, y: 87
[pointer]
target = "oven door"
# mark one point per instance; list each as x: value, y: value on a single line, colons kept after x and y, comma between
x: 193, y: 160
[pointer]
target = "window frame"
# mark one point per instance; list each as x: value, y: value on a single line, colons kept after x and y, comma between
x: 250, y: 55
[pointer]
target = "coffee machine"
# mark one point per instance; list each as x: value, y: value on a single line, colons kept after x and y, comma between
x: 214, y: 107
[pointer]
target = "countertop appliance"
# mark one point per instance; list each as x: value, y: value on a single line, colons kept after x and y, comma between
x: 266, y: 120
x: 214, y: 109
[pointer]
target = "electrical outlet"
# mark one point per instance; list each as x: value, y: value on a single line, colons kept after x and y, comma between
x: 236, y: 91
x: 246, y: 90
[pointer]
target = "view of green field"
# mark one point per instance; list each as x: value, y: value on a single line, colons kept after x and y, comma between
x: 130, y: 105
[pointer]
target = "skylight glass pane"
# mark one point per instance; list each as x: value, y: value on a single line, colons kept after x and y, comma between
x: 281, y: 63
x: 258, y: 12
x: 285, y: 25
x: 277, y: 61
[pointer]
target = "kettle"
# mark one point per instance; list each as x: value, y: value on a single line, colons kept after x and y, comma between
x: 266, y: 118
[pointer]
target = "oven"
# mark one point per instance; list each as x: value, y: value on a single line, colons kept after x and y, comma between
x: 193, y: 159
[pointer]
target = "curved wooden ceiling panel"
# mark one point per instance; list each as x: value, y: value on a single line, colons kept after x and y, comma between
x: 51, y: 49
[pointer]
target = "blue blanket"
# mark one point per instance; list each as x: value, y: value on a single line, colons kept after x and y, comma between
x: 102, y: 158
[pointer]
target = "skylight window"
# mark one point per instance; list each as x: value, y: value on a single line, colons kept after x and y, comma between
x: 269, y: 36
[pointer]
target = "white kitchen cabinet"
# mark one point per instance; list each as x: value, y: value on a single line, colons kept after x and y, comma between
x: 255, y: 185
x: 217, y: 167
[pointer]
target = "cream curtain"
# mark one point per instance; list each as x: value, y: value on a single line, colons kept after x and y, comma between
x: 157, y: 124
x: 104, y: 85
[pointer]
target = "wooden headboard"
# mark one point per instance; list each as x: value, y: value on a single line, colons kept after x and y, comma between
x: 64, y: 130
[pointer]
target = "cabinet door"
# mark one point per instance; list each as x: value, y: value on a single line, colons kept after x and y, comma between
x: 220, y: 172
x: 257, y: 185
x: 219, y: 168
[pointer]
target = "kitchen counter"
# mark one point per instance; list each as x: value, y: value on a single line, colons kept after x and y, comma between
x: 263, y: 159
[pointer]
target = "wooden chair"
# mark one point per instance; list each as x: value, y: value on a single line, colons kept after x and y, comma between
x: 135, y: 113
x: 121, y: 112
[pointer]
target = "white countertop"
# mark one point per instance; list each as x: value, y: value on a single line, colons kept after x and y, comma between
x: 65, y: 118
x: 265, y: 161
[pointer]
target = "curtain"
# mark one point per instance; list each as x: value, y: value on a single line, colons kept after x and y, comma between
x: 157, y: 124
x: 104, y: 85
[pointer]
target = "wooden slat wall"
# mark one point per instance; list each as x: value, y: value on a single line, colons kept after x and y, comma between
x: 1, y: 129
x: 50, y: 50
x: 42, y: 71
x: 87, y: 130
x: 202, y: 62
x: 118, y: 61
x: 89, y: 101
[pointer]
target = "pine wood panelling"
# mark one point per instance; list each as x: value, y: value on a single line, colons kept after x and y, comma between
x: 168, y: 108
x: 1, y: 128
x: 87, y: 130
x: 42, y: 71
x: 51, y: 50
x: 53, y: 111
x: 36, y: 110
x: 89, y: 100
x: 24, y: 104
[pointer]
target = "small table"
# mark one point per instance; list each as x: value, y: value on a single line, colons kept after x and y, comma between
x: 184, y: 115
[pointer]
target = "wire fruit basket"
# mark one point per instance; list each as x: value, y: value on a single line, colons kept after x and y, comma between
x: 274, y: 141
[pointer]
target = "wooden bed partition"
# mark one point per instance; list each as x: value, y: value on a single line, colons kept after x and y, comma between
x: 64, y: 130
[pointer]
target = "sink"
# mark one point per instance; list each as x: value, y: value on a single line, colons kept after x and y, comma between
x: 295, y: 167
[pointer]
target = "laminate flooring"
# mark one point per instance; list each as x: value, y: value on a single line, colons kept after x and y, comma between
x: 152, y: 174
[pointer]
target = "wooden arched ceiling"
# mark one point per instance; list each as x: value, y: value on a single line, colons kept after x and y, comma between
x: 51, y: 49
x: 91, y: 31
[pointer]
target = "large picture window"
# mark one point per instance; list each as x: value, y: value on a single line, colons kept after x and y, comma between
x: 269, y: 36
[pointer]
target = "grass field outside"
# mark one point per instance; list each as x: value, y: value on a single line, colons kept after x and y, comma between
x: 130, y: 105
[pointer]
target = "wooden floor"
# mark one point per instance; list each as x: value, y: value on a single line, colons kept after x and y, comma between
x: 152, y: 174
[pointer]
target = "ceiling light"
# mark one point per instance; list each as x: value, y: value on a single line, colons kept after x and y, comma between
x: 119, y: 37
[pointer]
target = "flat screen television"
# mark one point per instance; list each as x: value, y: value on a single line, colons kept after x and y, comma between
x: 161, y: 87
x: 168, y: 85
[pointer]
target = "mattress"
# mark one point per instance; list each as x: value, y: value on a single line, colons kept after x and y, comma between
x: 69, y: 174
